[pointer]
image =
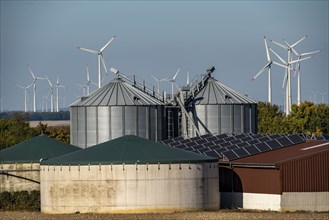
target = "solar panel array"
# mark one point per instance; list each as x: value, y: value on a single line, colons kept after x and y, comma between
x: 234, y: 146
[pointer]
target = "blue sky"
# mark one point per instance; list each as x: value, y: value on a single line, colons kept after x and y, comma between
x: 157, y: 38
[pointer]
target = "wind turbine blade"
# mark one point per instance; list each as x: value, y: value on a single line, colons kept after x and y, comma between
x: 155, y: 78
x: 285, y: 79
x: 282, y: 60
x: 103, y: 62
x: 299, y: 41
x: 262, y: 70
x: 51, y: 85
x: 88, y: 50
x: 295, y: 52
x: 295, y: 61
x: 20, y: 86
x: 309, y: 53
x: 29, y: 85
x: 297, y: 69
x: 103, y: 48
x: 88, y: 74
x: 267, y: 52
x: 33, y: 76
x: 280, y: 45
x: 176, y: 73
x: 279, y: 64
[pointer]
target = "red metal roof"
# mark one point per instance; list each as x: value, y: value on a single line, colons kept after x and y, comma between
x: 287, y: 153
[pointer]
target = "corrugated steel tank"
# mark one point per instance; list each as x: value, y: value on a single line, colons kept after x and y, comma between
x: 115, y: 110
x: 129, y: 188
x: 218, y: 109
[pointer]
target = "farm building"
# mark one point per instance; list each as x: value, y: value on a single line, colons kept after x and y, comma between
x: 290, y: 179
x: 129, y: 174
x: 20, y: 164
x: 126, y: 107
x: 115, y: 110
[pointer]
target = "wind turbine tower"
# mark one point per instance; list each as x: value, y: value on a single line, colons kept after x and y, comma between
x: 51, y: 92
x: 57, y: 86
x: 34, y: 88
x: 100, y: 59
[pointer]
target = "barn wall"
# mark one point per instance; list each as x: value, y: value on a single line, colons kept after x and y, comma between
x: 310, y: 174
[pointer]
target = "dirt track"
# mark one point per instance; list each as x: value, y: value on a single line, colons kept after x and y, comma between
x: 223, y: 214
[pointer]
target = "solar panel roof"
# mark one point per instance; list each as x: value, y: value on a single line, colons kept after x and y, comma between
x: 233, y: 146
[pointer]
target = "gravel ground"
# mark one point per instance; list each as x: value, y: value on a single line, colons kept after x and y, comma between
x: 223, y: 214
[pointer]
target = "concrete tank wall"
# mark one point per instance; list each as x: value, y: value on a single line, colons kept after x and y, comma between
x: 94, y: 125
x: 18, y: 177
x: 129, y: 188
x: 225, y: 118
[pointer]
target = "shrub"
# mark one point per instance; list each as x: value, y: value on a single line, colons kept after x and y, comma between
x: 21, y: 200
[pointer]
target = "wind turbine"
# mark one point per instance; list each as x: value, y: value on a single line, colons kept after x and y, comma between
x: 268, y: 66
x: 25, y: 94
x: 58, y: 85
x: 100, y: 59
x: 286, y: 78
x: 34, y: 88
x: 289, y: 49
x: 86, y: 85
x: 300, y: 56
x: 173, y: 81
x: 51, y: 92
x: 158, y: 82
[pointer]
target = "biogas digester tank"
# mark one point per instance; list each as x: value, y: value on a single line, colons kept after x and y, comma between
x: 219, y: 109
x: 114, y: 110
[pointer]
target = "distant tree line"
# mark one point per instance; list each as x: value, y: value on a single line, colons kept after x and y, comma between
x: 17, y: 129
x: 307, y: 118
x: 37, y: 116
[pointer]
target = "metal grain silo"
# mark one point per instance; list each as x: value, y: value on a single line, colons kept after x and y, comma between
x: 219, y: 109
x: 129, y: 175
x: 115, y: 110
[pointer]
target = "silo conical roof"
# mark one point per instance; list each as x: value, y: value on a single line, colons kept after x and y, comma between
x: 32, y: 150
x: 117, y: 93
x: 128, y: 149
x: 214, y: 92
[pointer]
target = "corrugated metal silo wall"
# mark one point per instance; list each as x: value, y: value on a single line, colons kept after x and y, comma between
x: 224, y: 118
x: 310, y: 174
x: 93, y: 125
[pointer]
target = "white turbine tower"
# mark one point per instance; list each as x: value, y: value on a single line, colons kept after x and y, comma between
x: 57, y: 86
x: 34, y: 88
x: 173, y: 81
x: 51, y: 93
x: 158, y: 82
x: 286, y: 79
x: 25, y: 95
x: 268, y: 66
x: 100, y: 59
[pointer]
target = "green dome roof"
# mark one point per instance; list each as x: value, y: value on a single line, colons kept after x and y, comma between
x: 129, y: 150
x: 32, y: 150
